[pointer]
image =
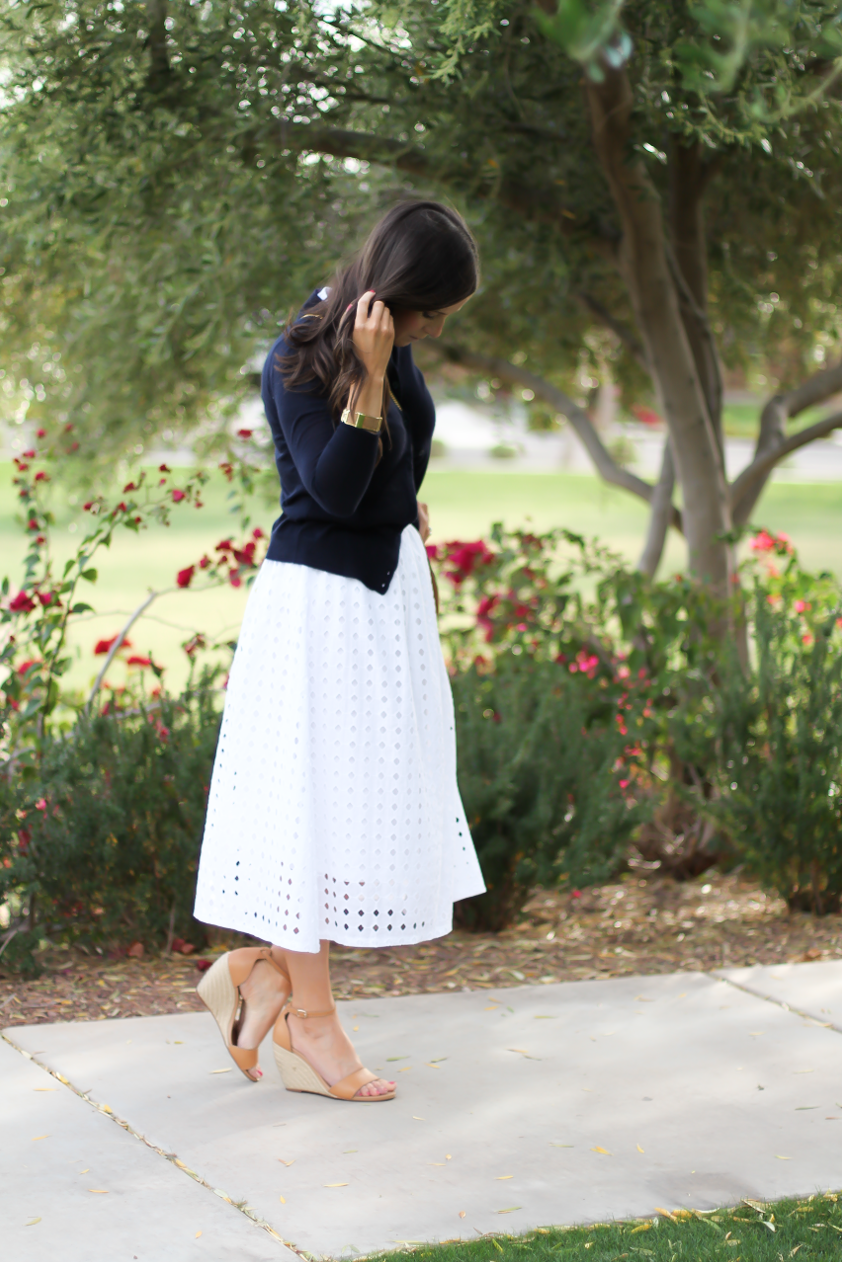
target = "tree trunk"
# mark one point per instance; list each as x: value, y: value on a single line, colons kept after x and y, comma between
x: 644, y: 264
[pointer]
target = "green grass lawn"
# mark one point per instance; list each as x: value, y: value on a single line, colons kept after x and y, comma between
x: 462, y: 505
x: 753, y: 1232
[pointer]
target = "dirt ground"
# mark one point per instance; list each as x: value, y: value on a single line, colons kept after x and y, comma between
x: 639, y: 925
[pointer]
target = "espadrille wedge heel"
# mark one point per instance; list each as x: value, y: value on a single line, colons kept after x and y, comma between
x: 299, y: 1075
x: 219, y: 991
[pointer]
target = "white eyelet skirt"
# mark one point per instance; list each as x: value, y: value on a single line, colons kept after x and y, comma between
x: 334, y: 810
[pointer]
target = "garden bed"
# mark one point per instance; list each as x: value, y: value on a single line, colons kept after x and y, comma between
x: 642, y: 924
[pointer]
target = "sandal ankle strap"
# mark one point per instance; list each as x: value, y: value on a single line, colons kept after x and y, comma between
x: 307, y: 1012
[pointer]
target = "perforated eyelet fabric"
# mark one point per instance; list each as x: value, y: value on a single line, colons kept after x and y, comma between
x: 333, y: 810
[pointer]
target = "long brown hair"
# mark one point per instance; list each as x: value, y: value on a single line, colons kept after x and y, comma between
x: 419, y: 257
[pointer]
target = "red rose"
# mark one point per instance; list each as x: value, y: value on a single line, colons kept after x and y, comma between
x: 104, y: 646
x: 22, y: 603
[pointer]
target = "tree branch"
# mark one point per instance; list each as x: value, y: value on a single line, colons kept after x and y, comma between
x: 159, y: 60
x: 632, y: 344
x: 703, y: 347
x: 745, y: 490
x: 654, y: 297
x: 605, y: 464
x: 660, y: 516
x: 538, y: 204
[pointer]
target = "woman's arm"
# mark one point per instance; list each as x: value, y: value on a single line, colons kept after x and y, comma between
x: 374, y: 337
x: 336, y: 462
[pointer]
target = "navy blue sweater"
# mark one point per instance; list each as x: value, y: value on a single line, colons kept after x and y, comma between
x: 342, y: 510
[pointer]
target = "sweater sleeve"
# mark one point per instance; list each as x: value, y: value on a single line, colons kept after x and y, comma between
x: 422, y: 417
x: 335, y: 462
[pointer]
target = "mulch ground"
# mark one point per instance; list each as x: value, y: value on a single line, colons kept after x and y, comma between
x: 639, y: 925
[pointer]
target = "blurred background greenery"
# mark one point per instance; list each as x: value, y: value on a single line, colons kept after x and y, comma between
x: 463, y: 505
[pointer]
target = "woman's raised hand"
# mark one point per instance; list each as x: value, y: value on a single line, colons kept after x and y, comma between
x: 374, y: 334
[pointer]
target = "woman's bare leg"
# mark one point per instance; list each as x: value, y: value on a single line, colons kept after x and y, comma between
x: 321, y: 1040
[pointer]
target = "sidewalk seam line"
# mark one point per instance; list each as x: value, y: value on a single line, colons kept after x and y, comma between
x: 780, y: 1003
x: 172, y: 1158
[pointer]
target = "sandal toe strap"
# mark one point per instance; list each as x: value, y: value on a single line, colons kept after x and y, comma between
x: 245, y: 1057
x: 348, y: 1087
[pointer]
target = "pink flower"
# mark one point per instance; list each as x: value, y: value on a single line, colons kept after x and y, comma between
x: 624, y: 784
x: 432, y: 550
x: 22, y: 603
x: 164, y: 468
x: 801, y: 606
x: 32, y: 524
x: 575, y: 893
x: 465, y: 557
x: 41, y: 804
x: 623, y: 672
x: 257, y: 533
x: 235, y: 579
x: 88, y: 505
x: 130, y: 486
x: 24, y: 666
x: 40, y: 433
x: 30, y: 455
x: 244, y: 433
x: 103, y: 647
x: 41, y: 476
x: 647, y: 416
x: 184, y: 577
x: 807, y: 639
x: 204, y: 563
x: 137, y: 660
x: 762, y: 542
x: 178, y: 496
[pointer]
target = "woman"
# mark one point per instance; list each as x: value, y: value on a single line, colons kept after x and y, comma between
x: 334, y: 814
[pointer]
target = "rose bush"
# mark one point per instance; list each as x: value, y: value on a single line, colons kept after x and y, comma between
x: 670, y: 699
x: 51, y: 736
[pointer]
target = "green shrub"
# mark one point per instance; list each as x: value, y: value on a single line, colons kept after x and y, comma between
x: 781, y: 749
x: 536, y: 758
x: 100, y: 842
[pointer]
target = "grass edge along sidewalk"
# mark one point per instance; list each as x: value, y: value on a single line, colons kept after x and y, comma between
x: 753, y: 1231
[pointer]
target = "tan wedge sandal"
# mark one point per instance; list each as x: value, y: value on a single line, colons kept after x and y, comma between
x: 219, y: 991
x: 299, y: 1075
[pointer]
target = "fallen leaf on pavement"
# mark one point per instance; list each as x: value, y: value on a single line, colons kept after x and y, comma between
x: 604, y: 1151
x: 461, y: 1213
x: 220, y: 1071
x: 37, y: 1220
x: 336, y: 1185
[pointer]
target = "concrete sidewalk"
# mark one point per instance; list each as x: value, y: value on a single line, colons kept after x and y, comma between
x: 538, y: 1105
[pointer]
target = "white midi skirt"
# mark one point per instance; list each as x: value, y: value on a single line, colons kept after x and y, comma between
x: 333, y: 809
